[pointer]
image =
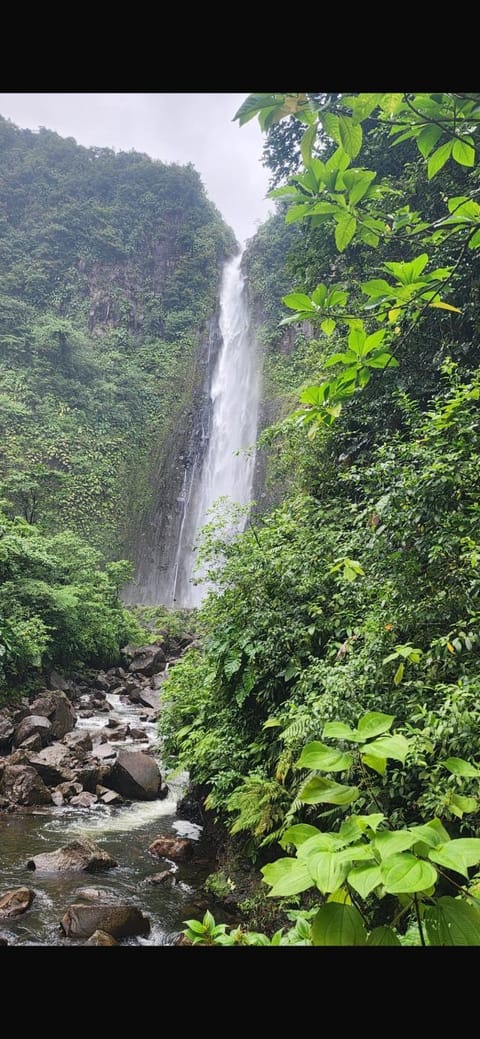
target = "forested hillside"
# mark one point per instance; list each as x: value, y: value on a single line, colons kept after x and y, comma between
x: 350, y: 612
x: 109, y: 267
x: 109, y: 271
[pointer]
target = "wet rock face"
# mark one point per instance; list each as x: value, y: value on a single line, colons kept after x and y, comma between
x: 177, y: 848
x: 135, y: 775
x: 15, y: 902
x: 119, y: 921
x: 22, y: 785
x: 78, y: 856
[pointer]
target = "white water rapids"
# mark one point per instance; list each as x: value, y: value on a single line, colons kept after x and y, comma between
x: 229, y: 461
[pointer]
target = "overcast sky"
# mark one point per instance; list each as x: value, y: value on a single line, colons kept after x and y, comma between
x: 181, y: 128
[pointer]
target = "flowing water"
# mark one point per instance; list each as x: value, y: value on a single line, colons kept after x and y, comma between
x: 126, y: 832
x: 229, y: 461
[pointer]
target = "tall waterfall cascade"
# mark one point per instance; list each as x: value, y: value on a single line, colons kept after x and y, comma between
x: 227, y: 469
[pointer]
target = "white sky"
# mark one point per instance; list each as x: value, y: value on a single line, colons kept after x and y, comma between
x: 181, y: 128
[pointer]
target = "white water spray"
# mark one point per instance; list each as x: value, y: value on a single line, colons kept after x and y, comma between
x: 228, y: 468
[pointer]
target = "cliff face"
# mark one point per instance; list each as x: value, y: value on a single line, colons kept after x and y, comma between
x: 110, y: 268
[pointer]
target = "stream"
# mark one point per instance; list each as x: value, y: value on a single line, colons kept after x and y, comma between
x: 125, y: 832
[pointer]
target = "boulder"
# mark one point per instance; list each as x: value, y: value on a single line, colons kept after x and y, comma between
x: 177, y: 848
x: 79, y: 742
x: 94, y: 894
x: 118, y: 920
x: 23, y: 786
x: 32, y: 744
x: 89, y: 776
x: 57, y: 708
x: 101, y: 938
x: 138, y: 734
x: 147, y: 660
x: 58, y: 798
x: 69, y: 789
x: 120, y: 734
x: 103, y: 751
x: 51, y: 764
x: 82, y: 856
x: 84, y: 800
x: 31, y: 724
x: 167, y: 877
x: 135, y: 775
x: 102, y: 682
x: 108, y: 797
x: 15, y: 902
x: 6, y: 734
x: 150, y: 698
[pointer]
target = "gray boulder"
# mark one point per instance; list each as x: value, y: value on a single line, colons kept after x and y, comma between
x: 6, y: 734
x: 22, y: 785
x: 135, y: 775
x: 101, y: 938
x: 147, y: 660
x: 15, y: 902
x: 176, y: 848
x: 33, y: 723
x: 57, y: 708
x: 51, y: 763
x: 120, y: 921
x: 82, y: 856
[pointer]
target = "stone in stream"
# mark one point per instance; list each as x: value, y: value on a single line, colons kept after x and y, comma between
x: 118, y: 920
x: 57, y: 708
x: 77, y: 857
x: 120, y: 734
x: 101, y: 938
x: 89, y: 776
x: 135, y: 775
x: 58, y: 682
x: 84, y: 800
x: 108, y: 797
x: 15, y: 902
x: 32, y: 743
x: 176, y: 848
x: 52, y: 764
x: 30, y: 725
x: 69, y: 790
x: 103, y: 751
x: 78, y: 743
x: 167, y: 876
x: 22, y: 785
x: 150, y: 698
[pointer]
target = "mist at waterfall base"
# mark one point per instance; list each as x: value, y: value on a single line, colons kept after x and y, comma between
x: 229, y: 462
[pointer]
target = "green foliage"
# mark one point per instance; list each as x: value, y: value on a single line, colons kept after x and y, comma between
x: 58, y: 606
x: 364, y: 861
x: 109, y: 267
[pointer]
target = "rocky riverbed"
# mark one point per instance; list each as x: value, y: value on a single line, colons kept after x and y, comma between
x: 92, y: 851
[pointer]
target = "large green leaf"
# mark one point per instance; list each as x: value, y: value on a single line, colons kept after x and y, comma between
x: 365, y: 878
x: 374, y: 723
x: 298, y: 301
x: 344, y: 231
x: 391, y: 842
x: 327, y: 759
x: 463, y: 152
x: 327, y: 870
x: 395, y: 746
x: 405, y: 874
x: 459, y: 804
x: 431, y: 833
x: 383, y: 936
x: 287, y: 877
x: 350, y: 135
x: 428, y: 138
x: 353, y: 827
x: 325, y: 791
x: 453, y: 921
x: 339, y: 731
x: 439, y: 158
x: 320, y: 842
x: 337, y: 924
x: 459, y: 767
x: 298, y: 834
x: 459, y: 855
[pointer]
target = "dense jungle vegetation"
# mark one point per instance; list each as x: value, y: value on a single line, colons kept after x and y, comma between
x: 333, y: 706
x: 109, y: 268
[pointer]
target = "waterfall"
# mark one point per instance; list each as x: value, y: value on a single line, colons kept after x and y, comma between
x: 227, y: 468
